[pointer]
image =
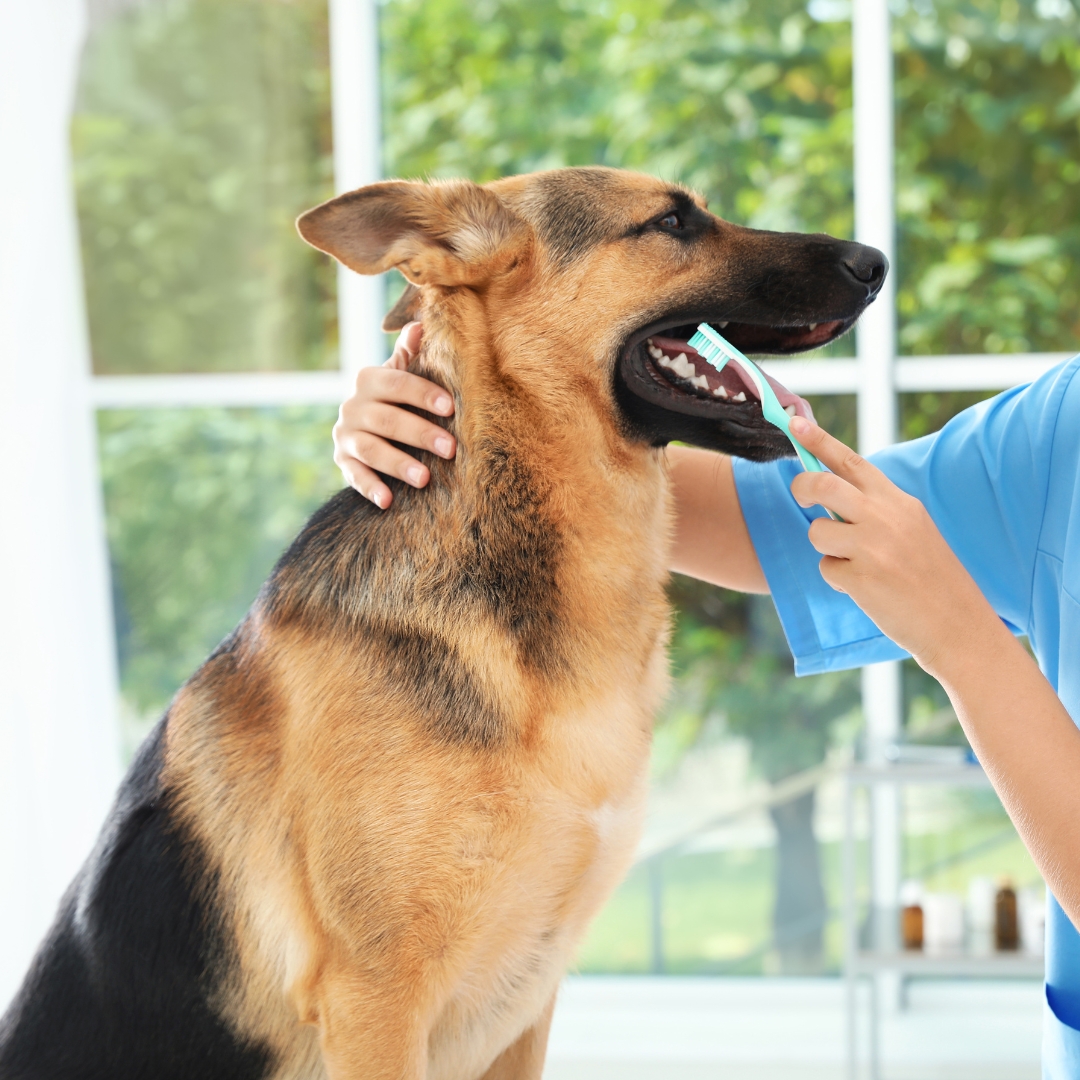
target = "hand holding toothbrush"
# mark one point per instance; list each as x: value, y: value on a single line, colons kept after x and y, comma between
x: 889, y: 557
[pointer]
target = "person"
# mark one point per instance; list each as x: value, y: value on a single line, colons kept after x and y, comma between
x: 950, y: 546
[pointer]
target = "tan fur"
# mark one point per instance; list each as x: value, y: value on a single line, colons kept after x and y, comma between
x: 416, y: 901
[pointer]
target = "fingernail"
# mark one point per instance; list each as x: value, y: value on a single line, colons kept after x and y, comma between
x: 443, y: 404
x: 444, y: 447
x: 415, y: 475
x: 800, y: 425
x: 379, y: 499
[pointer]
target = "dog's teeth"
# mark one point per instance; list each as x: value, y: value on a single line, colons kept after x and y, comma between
x: 682, y: 366
x: 700, y: 382
x: 813, y: 327
x: 740, y: 396
x: 663, y: 360
x: 723, y: 325
x: 655, y: 353
x: 721, y: 391
x: 790, y: 410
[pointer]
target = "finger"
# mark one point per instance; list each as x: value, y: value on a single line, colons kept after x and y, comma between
x: 840, y: 458
x: 390, y: 422
x: 364, y: 480
x: 407, y: 346
x: 378, y: 454
x: 402, y: 388
x: 831, y: 491
x: 834, y: 571
x: 836, y: 538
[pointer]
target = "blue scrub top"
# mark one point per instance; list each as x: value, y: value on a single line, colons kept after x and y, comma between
x: 1002, y: 482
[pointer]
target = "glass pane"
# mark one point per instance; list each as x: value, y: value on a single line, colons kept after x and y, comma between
x: 988, y: 159
x: 199, y: 505
x: 201, y: 129
x: 749, y: 103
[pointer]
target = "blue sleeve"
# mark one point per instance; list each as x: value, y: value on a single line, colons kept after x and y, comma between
x: 983, y: 478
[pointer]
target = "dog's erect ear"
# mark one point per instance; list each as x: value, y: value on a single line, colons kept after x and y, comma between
x: 404, y: 311
x: 448, y: 233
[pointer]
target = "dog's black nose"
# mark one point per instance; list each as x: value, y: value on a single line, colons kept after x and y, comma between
x: 866, y: 265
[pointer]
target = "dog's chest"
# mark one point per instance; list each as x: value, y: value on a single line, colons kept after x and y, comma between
x: 568, y: 854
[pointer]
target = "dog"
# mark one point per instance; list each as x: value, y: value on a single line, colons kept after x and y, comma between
x: 368, y: 833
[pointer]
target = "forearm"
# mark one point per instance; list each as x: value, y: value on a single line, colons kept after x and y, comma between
x: 1025, y: 740
x: 711, y: 540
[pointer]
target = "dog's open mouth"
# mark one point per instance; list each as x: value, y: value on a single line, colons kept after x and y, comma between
x: 669, y: 357
x: 686, y: 369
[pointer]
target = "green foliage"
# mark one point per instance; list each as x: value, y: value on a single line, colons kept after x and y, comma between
x: 988, y: 162
x: 200, y: 131
x: 734, y: 676
x: 200, y: 503
x: 748, y: 102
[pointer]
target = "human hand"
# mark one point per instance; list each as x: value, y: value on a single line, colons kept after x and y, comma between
x: 370, y: 419
x: 888, y: 555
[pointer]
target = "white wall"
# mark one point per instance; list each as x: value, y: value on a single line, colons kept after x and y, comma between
x: 59, y: 756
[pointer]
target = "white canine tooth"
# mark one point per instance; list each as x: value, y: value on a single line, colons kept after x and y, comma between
x: 721, y: 391
x: 684, y: 366
x: 723, y: 325
x: 790, y: 410
x: 740, y: 396
x: 813, y: 327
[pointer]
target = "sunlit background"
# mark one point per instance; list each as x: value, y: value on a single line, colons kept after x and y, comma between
x: 202, y: 127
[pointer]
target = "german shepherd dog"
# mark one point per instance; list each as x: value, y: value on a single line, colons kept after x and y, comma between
x: 367, y: 835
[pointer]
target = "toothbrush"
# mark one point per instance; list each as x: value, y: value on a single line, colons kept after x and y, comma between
x: 718, y: 351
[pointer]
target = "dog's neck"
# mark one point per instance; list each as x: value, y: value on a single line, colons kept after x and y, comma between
x: 548, y: 492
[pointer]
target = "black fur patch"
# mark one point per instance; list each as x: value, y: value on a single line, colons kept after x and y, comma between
x: 120, y: 989
x: 515, y: 555
x: 430, y: 672
x: 571, y: 212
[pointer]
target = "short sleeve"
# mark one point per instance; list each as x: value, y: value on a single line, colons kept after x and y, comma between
x: 984, y: 480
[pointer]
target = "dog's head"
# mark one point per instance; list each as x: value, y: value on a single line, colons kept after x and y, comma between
x: 597, y: 277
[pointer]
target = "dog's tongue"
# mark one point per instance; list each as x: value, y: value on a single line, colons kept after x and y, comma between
x: 731, y: 373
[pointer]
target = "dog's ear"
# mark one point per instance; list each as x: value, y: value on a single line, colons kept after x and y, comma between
x: 448, y: 233
x: 406, y: 310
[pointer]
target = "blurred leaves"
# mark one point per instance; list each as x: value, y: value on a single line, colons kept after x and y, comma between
x: 988, y: 175
x: 734, y: 676
x: 200, y: 503
x: 748, y: 102
x: 201, y: 129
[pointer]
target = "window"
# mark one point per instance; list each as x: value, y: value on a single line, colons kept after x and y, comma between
x: 202, y: 128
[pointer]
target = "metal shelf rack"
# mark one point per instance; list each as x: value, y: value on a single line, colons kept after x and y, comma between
x: 883, y: 953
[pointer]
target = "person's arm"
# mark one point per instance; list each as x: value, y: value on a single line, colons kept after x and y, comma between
x: 890, y: 558
x: 711, y: 540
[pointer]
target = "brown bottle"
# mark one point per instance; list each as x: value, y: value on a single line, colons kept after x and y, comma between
x: 911, y: 915
x: 1006, y: 923
x: 911, y: 928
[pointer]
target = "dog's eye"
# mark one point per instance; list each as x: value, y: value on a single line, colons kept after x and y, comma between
x: 671, y: 221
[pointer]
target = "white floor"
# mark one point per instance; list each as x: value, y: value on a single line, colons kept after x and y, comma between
x: 766, y: 1029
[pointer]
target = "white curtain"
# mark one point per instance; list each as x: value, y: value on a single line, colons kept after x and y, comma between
x: 59, y: 758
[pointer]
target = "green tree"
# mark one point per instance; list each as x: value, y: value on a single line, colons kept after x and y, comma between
x: 201, y: 130
x: 988, y: 162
